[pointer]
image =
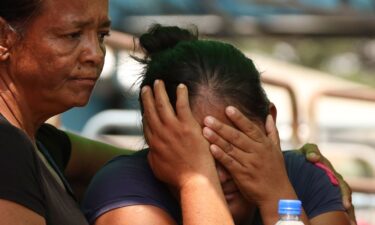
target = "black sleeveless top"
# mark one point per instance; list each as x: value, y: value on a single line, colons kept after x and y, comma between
x: 26, y: 180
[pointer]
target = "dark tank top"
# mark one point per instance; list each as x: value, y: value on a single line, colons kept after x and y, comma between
x: 26, y: 180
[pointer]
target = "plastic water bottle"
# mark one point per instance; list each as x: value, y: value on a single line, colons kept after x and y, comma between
x: 290, y: 212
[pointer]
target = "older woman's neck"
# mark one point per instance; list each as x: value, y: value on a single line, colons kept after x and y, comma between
x: 17, y: 115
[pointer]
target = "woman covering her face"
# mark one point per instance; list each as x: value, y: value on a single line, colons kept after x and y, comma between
x: 214, y: 155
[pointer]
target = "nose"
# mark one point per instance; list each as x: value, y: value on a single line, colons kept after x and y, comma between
x: 93, y: 51
x: 223, y: 174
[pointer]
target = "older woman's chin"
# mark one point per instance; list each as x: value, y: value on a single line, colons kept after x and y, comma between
x: 78, y: 100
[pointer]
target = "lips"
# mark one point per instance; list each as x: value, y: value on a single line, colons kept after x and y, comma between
x: 90, y: 76
x: 230, y: 191
x: 84, y: 81
x: 86, y: 78
x: 85, y: 74
x: 83, y: 77
x: 230, y: 195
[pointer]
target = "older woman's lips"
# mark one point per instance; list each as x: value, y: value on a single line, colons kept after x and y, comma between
x: 90, y: 81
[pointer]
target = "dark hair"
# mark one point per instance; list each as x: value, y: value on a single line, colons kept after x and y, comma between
x: 19, y: 12
x: 176, y: 56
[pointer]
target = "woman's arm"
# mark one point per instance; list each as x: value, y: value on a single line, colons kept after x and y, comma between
x: 313, y: 155
x: 86, y: 158
x: 136, y: 215
x: 13, y: 213
x: 194, y: 211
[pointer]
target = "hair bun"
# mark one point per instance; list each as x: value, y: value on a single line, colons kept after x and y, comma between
x: 159, y: 38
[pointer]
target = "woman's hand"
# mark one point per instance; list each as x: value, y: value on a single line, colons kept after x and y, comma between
x: 253, y: 157
x: 178, y: 150
x: 179, y: 155
x: 312, y: 154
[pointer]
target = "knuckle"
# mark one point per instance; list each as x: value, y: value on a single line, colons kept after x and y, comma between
x: 185, y: 129
x: 219, y: 156
x: 181, y: 104
x: 236, y: 135
x: 228, y: 161
x: 232, y: 153
x: 228, y: 147
x: 159, y: 105
x: 214, y: 138
x: 219, y: 126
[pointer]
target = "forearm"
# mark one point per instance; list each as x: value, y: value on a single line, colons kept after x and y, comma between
x: 87, y: 157
x: 203, y: 202
x: 14, y: 213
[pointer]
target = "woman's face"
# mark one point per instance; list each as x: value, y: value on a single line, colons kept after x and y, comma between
x: 57, y: 62
x: 240, y: 208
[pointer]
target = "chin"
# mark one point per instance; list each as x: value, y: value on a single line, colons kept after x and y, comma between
x: 76, y: 102
x: 81, y: 103
x: 81, y: 99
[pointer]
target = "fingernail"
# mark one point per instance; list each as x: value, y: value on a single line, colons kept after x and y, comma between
x: 312, y: 155
x: 144, y: 89
x: 209, y: 120
x: 230, y: 110
x: 181, y: 86
x: 214, y: 150
x: 207, y: 132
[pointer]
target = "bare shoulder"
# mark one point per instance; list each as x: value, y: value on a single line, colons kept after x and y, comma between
x: 16, y: 214
x: 136, y: 215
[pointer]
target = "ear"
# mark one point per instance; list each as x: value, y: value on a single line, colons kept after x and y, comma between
x: 7, y: 39
x: 273, y: 111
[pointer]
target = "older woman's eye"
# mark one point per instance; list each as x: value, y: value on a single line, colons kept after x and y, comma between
x: 103, y: 35
x: 74, y: 35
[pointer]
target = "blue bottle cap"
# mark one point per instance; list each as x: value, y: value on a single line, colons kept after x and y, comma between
x: 292, y: 207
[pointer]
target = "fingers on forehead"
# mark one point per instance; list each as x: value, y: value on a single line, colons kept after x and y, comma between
x: 239, y: 119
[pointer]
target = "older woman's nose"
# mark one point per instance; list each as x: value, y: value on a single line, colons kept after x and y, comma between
x: 93, y: 52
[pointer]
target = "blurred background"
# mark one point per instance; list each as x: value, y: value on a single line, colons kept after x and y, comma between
x: 317, y: 59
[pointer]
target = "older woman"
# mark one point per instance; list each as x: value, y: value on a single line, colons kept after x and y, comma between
x: 51, y: 55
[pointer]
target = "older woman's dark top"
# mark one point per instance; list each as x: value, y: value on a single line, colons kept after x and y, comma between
x: 27, y: 180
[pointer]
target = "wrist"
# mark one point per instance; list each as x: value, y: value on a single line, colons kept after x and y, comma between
x: 202, y: 195
x: 269, y: 208
x: 194, y: 181
x: 198, y: 176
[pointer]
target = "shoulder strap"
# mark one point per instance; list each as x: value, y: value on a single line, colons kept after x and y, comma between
x: 50, y: 160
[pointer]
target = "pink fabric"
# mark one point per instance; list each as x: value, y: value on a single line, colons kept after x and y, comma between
x: 359, y: 222
x: 329, y: 173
